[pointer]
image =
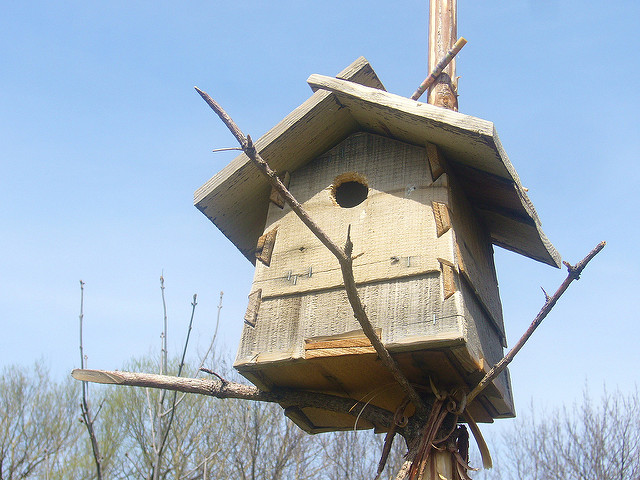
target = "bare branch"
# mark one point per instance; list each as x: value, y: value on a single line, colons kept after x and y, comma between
x: 498, y: 368
x: 342, y: 255
x: 87, y: 418
x: 214, y: 388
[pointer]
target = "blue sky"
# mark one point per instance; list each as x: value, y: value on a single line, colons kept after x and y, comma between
x: 103, y: 142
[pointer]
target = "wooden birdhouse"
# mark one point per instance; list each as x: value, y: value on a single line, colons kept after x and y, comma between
x: 425, y: 193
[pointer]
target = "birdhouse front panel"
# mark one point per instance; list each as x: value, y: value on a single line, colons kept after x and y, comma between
x: 424, y: 269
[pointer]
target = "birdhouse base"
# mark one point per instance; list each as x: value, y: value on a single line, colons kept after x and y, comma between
x: 347, y: 365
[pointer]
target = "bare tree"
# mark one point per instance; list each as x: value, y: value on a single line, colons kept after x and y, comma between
x: 36, y: 422
x: 590, y: 441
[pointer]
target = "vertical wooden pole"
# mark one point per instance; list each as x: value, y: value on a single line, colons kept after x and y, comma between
x: 443, y: 32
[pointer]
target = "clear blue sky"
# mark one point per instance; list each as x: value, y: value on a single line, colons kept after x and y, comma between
x: 103, y: 142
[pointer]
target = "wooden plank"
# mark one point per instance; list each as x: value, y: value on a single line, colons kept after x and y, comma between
x: 360, y: 71
x: 475, y: 253
x: 470, y: 137
x: 511, y: 233
x: 343, y: 343
x: 337, y: 352
x: 394, y: 228
x: 468, y: 140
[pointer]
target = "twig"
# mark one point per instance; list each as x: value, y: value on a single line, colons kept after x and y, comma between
x: 206, y: 355
x: 211, y: 372
x: 215, y: 150
x: 342, y: 255
x: 442, y: 64
x: 213, y: 339
x: 214, y: 388
x: 167, y: 426
x: 574, y: 274
x: 164, y: 330
x: 87, y: 418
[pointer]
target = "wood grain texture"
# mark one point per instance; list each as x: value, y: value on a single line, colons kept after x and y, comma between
x: 265, y: 246
x: 435, y: 160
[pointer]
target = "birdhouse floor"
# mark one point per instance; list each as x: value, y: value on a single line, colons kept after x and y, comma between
x: 349, y: 367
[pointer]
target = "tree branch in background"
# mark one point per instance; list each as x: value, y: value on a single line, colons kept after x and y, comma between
x: 172, y: 410
x: 87, y: 417
x: 342, y: 255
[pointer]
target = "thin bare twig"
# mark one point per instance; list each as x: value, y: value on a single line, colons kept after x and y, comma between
x: 215, y: 150
x: 87, y: 418
x: 164, y: 330
x: 172, y: 409
x: 498, y: 368
x: 344, y: 256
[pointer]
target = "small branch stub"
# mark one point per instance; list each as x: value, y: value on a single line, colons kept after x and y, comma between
x: 439, y: 68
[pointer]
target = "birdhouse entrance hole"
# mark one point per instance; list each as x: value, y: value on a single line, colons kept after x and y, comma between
x: 349, y: 190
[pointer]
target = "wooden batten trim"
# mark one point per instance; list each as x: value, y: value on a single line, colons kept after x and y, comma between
x: 435, y: 159
x: 448, y: 279
x: 275, y: 197
x: 251, y: 315
x: 264, y: 248
x: 338, y: 352
x: 349, y: 343
x: 341, y: 343
x: 442, y: 217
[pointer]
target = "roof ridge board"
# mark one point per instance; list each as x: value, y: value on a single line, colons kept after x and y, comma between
x: 350, y: 88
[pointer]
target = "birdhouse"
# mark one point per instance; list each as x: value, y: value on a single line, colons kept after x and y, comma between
x: 425, y: 193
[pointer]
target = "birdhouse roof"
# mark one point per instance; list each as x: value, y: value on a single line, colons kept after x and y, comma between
x: 236, y: 199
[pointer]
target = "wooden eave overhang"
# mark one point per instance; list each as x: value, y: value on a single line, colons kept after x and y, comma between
x: 236, y: 198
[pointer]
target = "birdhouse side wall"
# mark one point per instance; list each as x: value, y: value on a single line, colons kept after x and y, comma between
x: 474, y: 254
